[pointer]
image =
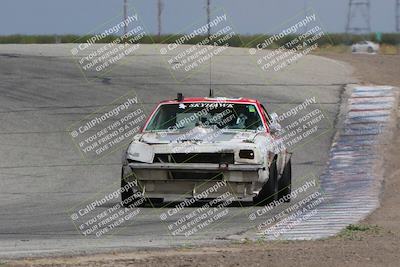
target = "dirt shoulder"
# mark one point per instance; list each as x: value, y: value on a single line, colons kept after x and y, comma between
x: 375, y: 69
x: 376, y: 241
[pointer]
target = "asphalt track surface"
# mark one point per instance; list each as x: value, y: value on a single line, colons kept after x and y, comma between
x: 42, y: 175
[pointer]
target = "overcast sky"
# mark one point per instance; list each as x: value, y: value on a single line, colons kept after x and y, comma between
x: 249, y: 16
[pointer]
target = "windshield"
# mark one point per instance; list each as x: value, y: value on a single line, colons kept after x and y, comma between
x: 185, y: 116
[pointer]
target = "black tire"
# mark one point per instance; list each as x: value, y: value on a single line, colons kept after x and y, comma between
x: 268, y: 193
x: 155, y: 201
x: 370, y: 50
x: 127, y: 198
x: 285, y: 183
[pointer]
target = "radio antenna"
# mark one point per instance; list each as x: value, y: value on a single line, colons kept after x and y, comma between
x: 211, y: 90
x: 211, y: 94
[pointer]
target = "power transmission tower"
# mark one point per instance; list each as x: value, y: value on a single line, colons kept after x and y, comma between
x: 160, y: 7
x: 358, y: 17
x: 398, y: 15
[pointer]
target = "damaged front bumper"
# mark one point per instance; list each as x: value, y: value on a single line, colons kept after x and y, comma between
x: 197, y: 166
x: 184, y: 180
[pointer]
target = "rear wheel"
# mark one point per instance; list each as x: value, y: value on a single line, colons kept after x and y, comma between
x: 269, y: 191
x: 370, y: 50
x: 285, y: 183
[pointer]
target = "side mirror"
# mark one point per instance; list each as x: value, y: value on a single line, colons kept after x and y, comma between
x: 274, y: 127
x: 274, y: 117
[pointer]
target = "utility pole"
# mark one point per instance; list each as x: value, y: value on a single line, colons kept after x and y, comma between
x: 125, y: 16
x: 160, y: 7
x: 358, y: 17
x: 398, y: 15
x: 208, y: 19
x: 305, y: 15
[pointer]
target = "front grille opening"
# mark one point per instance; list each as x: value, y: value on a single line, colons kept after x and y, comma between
x: 195, y: 158
x: 196, y: 176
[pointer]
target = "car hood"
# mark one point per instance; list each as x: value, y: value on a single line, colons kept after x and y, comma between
x: 198, y: 135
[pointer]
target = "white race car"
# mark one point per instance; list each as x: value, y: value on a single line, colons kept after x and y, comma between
x: 365, y: 46
x: 188, y: 146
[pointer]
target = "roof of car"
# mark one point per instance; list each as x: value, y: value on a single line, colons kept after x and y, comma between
x: 212, y: 99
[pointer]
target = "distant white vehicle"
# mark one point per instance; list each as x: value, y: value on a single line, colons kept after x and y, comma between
x: 365, y: 46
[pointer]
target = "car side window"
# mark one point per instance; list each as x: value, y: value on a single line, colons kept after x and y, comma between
x: 266, y: 115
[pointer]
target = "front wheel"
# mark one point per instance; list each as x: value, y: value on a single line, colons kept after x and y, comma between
x: 128, y: 198
x: 269, y: 191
